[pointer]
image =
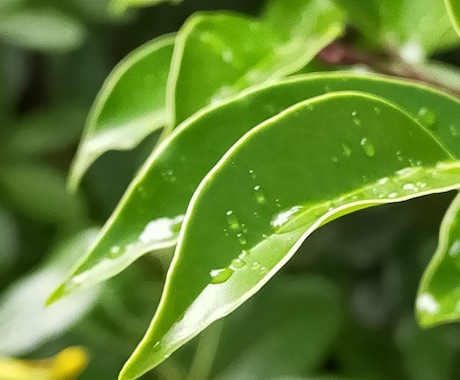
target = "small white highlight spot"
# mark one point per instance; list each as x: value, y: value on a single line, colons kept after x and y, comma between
x: 412, y: 53
x: 427, y: 303
x: 160, y: 229
x: 227, y: 56
x: 454, y: 250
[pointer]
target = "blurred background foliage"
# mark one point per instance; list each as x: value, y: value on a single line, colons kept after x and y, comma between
x: 343, y: 307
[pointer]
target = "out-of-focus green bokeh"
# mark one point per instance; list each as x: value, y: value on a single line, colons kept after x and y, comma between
x: 364, y: 268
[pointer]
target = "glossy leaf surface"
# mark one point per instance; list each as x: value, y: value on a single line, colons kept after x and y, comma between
x: 453, y: 9
x: 150, y: 213
x: 413, y: 29
x: 254, y: 209
x: 218, y: 55
x: 119, y: 6
x: 439, y: 293
x: 130, y: 105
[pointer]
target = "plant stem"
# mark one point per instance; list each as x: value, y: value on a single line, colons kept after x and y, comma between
x: 341, y: 54
x: 205, y: 353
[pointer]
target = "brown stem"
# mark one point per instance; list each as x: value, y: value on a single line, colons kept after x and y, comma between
x: 340, y: 54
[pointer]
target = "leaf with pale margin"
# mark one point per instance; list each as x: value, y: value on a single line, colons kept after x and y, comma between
x: 438, y: 296
x: 130, y: 105
x: 219, y: 54
x: 120, y: 6
x: 412, y: 29
x: 453, y: 9
x: 275, y: 186
x: 150, y: 213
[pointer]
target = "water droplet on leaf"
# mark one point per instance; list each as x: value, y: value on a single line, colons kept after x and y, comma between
x: 238, y: 263
x: 346, y: 150
x: 454, y: 249
x: 427, y: 303
x: 355, y: 118
x: 260, y: 196
x: 368, y: 147
x: 218, y: 276
x: 427, y: 117
x: 232, y: 220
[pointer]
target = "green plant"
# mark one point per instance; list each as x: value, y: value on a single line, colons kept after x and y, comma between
x: 253, y: 159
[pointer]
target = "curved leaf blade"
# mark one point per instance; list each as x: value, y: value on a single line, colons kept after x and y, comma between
x: 244, y: 51
x: 453, y: 9
x: 120, y: 6
x: 130, y: 105
x: 438, y: 297
x: 150, y: 213
x: 253, y: 210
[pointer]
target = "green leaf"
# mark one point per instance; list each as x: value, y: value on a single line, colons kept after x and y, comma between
x: 255, y: 207
x: 120, y: 6
x: 427, y: 354
x: 411, y: 29
x: 244, y: 51
x: 130, y: 105
x: 150, y: 214
x: 291, y: 311
x: 439, y: 292
x: 453, y: 9
x: 45, y: 131
x: 25, y: 322
x: 39, y: 191
x: 58, y: 31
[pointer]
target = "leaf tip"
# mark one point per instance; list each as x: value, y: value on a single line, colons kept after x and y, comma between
x: 56, y: 295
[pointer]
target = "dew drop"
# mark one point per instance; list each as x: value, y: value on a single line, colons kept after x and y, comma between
x: 454, y: 249
x: 244, y: 253
x: 115, y: 251
x: 377, y: 110
x: 278, y: 203
x: 454, y: 130
x: 232, y: 220
x: 393, y: 194
x: 218, y: 276
x: 368, y: 147
x: 410, y: 187
x: 259, y: 194
x: 427, y: 303
x: 427, y: 117
x: 169, y: 176
x: 252, y: 173
x: 238, y: 263
x: 327, y: 88
x: 262, y: 270
x: 335, y: 159
x: 399, y: 156
x: 255, y: 265
x: 355, y: 118
x: 284, y: 217
x: 242, y: 238
x: 227, y: 56
x: 346, y: 150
